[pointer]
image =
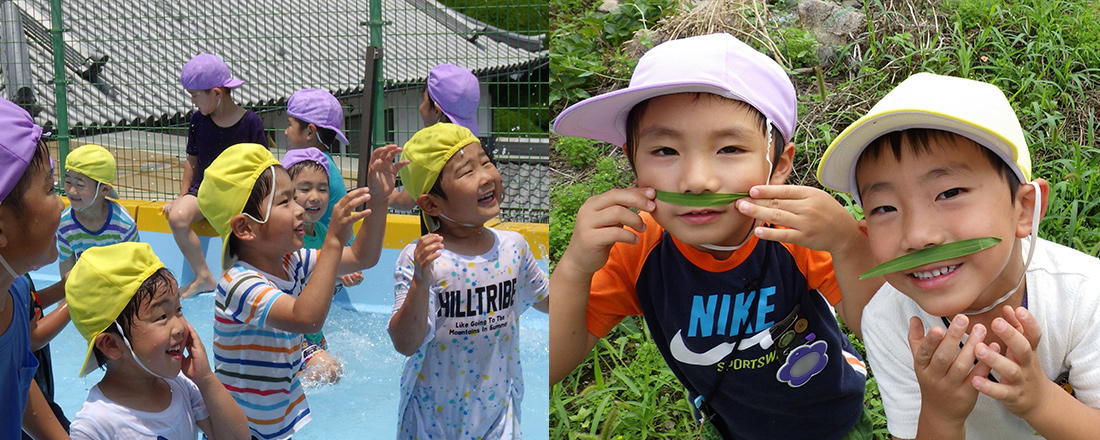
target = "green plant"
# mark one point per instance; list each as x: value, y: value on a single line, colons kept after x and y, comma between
x: 799, y: 47
x: 579, y: 152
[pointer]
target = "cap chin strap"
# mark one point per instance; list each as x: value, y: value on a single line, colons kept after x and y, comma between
x: 89, y: 205
x: 270, y: 198
x: 131, y: 348
x: 1030, y: 252
x: 8, y: 268
x: 755, y: 222
x: 456, y: 221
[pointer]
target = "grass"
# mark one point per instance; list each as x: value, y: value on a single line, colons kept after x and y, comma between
x: 1045, y: 55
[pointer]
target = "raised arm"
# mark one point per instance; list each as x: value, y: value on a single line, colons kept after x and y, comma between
x: 601, y: 222
x: 364, y: 252
x: 408, y: 326
x: 227, y: 420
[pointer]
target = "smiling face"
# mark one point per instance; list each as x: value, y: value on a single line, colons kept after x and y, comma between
x: 472, y: 185
x: 311, y: 191
x: 282, y: 233
x: 158, y: 332
x: 83, y: 191
x: 944, y: 194
x: 702, y: 143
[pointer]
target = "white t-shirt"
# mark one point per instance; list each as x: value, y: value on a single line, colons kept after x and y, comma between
x: 1063, y: 288
x: 102, y: 418
x: 465, y: 381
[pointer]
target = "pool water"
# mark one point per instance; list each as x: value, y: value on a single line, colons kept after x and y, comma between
x: 363, y: 405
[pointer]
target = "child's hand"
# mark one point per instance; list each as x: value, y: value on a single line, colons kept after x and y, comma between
x: 942, y: 374
x: 1022, y: 381
x: 195, y: 365
x: 426, y: 252
x: 383, y: 171
x: 167, y: 208
x: 352, y: 279
x: 600, y: 224
x: 344, y: 216
x: 813, y: 216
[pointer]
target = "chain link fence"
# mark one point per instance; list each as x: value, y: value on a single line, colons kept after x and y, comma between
x: 120, y: 63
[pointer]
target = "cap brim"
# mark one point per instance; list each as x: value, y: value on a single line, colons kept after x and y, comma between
x: 90, y: 364
x: 233, y: 83
x: 470, y: 123
x: 603, y: 117
x: 837, y: 170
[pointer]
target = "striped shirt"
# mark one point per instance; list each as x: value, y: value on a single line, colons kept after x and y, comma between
x: 257, y: 363
x: 73, y: 238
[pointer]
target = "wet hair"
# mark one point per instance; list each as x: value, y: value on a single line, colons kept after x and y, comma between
x: 260, y: 191
x: 160, y: 280
x: 297, y: 168
x: 635, y: 117
x: 919, y: 142
x: 325, y: 135
x: 40, y: 161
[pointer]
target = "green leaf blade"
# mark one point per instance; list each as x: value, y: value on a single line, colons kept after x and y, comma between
x: 699, y: 200
x: 933, y: 254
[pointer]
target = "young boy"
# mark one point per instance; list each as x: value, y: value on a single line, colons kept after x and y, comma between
x: 309, y: 171
x: 939, y: 160
x: 745, y: 323
x: 158, y: 382
x: 91, y: 219
x: 459, y: 293
x: 315, y: 119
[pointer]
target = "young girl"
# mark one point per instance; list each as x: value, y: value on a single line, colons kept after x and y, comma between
x: 456, y: 310
x: 219, y: 123
x: 308, y: 170
x: 29, y: 214
x: 263, y: 303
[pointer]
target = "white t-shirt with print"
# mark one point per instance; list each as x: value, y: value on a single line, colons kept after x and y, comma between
x: 465, y: 381
x: 102, y: 419
x: 1063, y: 293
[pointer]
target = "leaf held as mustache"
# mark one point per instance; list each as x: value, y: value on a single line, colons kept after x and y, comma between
x: 933, y: 254
x: 699, y: 200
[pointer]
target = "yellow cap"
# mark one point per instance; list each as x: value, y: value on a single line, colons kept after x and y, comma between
x: 93, y: 161
x: 102, y: 283
x: 226, y: 186
x: 973, y: 109
x: 427, y: 152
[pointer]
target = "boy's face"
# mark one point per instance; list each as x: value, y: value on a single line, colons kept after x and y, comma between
x: 81, y: 190
x: 205, y: 100
x: 31, y: 235
x: 429, y: 115
x: 311, y: 191
x: 948, y: 194
x: 159, y: 332
x: 472, y: 185
x: 296, y: 134
x: 688, y: 143
x: 283, y: 231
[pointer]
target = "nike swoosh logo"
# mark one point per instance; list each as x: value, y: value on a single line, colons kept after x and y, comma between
x: 682, y: 353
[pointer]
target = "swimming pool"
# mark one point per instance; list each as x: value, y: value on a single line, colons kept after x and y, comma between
x: 363, y: 405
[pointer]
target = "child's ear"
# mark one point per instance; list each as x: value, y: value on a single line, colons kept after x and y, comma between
x: 105, y: 190
x: 242, y: 228
x: 783, y: 165
x: 1025, y: 197
x: 429, y: 204
x: 110, y: 345
x: 862, y: 225
x: 312, y: 130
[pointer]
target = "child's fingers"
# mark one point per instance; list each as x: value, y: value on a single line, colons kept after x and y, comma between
x: 1029, y: 326
x: 778, y: 192
x: 964, y: 360
x: 635, y: 198
x: 921, y: 343
x: 1017, y: 347
x: 947, y: 353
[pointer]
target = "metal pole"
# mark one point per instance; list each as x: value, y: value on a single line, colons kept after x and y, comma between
x: 378, y: 134
x: 60, y: 85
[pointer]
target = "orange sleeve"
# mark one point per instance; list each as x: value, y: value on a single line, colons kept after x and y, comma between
x: 613, y: 296
x: 817, y: 267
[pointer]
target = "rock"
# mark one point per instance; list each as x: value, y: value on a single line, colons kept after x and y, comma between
x: 608, y: 6
x: 830, y: 23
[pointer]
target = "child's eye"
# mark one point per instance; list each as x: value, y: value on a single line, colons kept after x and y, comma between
x: 162, y: 317
x: 881, y: 209
x: 950, y: 193
x: 730, y: 150
x: 664, y: 151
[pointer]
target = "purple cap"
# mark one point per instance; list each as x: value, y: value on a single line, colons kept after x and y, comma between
x: 457, y: 92
x: 320, y: 108
x: 206, y: 71
x: 311, y: 154
x: 18, y: 141
x: 717, y: 63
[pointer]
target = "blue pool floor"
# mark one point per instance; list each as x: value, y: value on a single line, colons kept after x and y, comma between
x: 363, y: 405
